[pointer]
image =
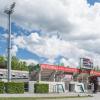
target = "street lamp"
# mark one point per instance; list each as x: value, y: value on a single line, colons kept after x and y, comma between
x: 9, y: 11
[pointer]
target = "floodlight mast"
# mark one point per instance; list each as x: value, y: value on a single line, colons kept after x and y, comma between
x: 9, y: 12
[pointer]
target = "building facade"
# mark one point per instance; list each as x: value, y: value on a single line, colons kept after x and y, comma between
x: 21, y: 76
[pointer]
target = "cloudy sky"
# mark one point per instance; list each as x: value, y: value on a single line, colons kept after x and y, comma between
x: 52, y: 31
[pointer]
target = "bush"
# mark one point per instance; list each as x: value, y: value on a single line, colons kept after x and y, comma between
x: 12, y: 87
x: 1, y: 87
x: 41, y: 88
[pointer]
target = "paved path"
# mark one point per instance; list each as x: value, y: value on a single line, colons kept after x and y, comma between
x: 43, y: 95
x: 95, y: 97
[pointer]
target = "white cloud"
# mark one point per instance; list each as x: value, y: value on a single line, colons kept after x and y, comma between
x: 29, y: 61
x: 70, y: 62
x: 69, y: 16
x: 20, y: 41
x: 52, y: 47
x: 41, y: 14
x: 50, y: 61
x: 33, y: 37
x: 14, y: 50
x: 76, y: 22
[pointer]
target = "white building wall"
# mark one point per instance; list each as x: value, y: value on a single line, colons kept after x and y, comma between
x: 16, y: 74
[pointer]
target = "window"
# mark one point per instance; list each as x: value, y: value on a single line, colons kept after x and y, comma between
x: 1, y: 74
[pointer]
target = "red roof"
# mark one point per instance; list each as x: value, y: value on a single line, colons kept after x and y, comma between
x: 66, y: 69
x: 60, y: 68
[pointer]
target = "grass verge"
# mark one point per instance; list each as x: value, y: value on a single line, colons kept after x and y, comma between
x: 41, y: 98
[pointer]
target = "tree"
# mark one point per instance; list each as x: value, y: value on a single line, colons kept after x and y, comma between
x: 2, y: 62
x: 31, y: 67
x: 15, y: 63
x: 18, y: 65
x: 23, y: 65
x: 37, y: 67
x: 61, y: 64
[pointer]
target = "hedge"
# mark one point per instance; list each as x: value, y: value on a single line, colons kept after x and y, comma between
x: 12, y: 87
x: 1, y: 87
x: 41, y: 88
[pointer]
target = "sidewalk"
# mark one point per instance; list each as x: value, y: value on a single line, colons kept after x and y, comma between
x: 45, y: 95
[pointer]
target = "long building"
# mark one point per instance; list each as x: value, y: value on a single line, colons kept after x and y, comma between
x: 48, y: 72
x: 21, y: 76
x: 54, y: 73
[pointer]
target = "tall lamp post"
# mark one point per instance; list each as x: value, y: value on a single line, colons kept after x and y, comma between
x: 9, y: 12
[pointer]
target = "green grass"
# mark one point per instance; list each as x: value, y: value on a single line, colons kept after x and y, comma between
x: 41, y: 98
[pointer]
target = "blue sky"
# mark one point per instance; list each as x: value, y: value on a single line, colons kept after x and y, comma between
x: 92, y: 2
x: 39, y: 31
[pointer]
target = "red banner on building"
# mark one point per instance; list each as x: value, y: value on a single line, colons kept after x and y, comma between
x: 59, y: 68
x: 69, y: 70
x: 95, y: 73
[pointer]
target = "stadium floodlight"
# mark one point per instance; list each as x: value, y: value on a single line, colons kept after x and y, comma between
x: 9, y: 11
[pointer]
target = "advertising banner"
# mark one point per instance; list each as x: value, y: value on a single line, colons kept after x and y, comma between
x: 59, y: 68
x: 86, y: 63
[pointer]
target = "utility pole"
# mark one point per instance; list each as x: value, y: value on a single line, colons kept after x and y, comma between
x: 9, y: 11
x: 81, y: 66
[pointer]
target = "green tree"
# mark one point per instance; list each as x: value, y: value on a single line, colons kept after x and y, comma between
x: 15, y: 63
x: 23, y: 65
x: 18, y: 65
x: 61, y: 64
x: 2, y: 62
x: 37, y: 67
x: 31, y: 67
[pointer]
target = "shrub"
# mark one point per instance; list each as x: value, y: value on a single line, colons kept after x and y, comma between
x: 12, y: 87
x: 41, y: 88
x: 1, y: 87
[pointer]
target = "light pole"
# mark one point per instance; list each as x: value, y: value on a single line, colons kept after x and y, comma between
x: 9, y: 12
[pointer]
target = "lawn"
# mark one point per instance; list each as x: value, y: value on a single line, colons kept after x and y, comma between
x: 41, y: 98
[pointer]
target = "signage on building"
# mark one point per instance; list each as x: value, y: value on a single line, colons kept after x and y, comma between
x: 59, y: 68
x: 68, y: 77
x: 86, y: 63
x: 95, y: 73
x: 69, y: 70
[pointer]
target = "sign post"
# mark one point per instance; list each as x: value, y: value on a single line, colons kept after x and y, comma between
x: 86, y: 64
